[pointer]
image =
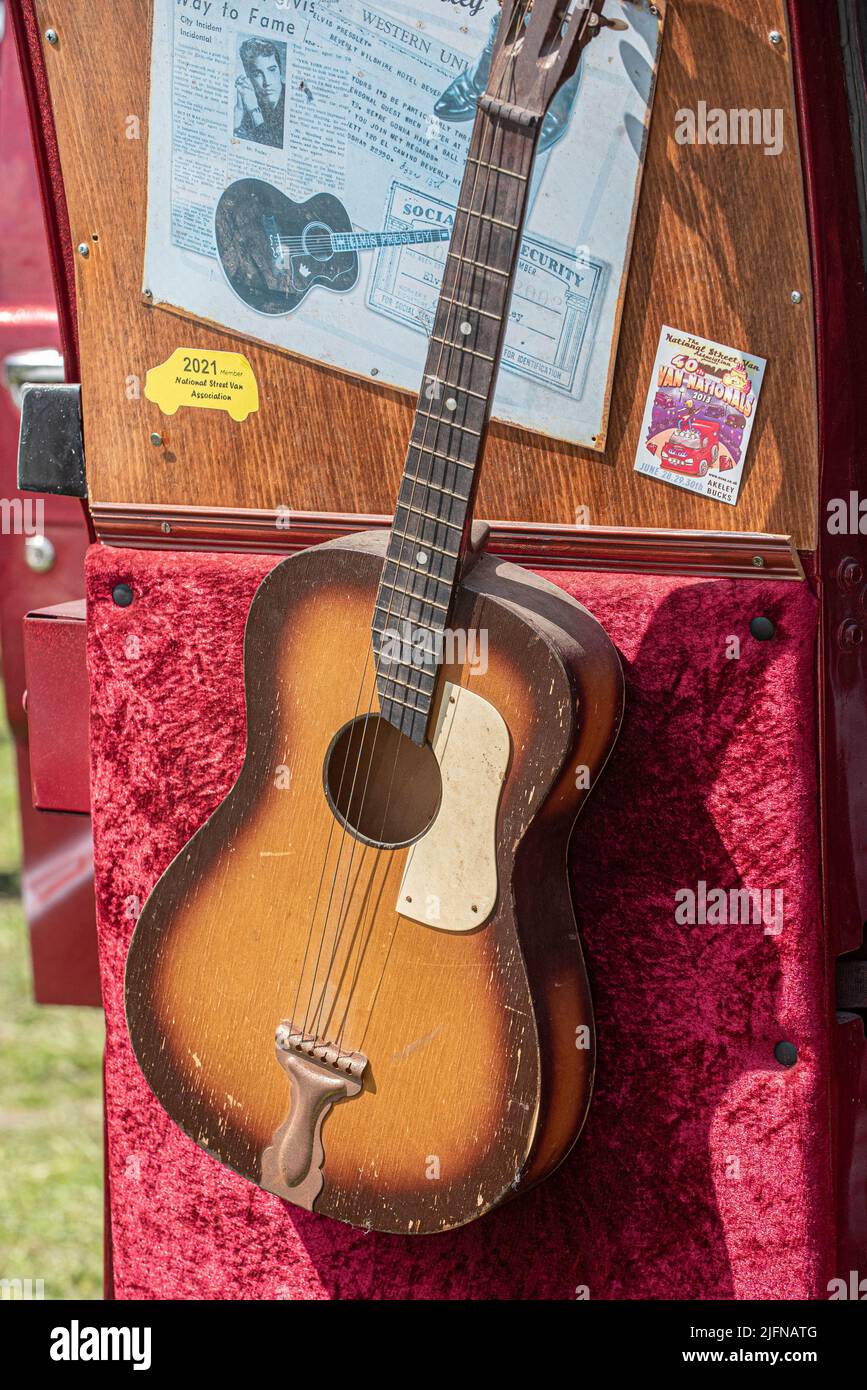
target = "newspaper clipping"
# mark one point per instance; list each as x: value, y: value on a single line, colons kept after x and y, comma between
x: 306, y: 158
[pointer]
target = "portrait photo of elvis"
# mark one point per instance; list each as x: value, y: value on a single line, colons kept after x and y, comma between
x: 260, y: 92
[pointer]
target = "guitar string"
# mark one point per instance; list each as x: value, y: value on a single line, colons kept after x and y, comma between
x: 495, y: 128
x: 360, y: 953
x: 293, y: 1015
x: 339, y: 926
x: 475, y: 265
x: 373, y: 693
x: 446, y: 352
x: 315, y: 1023
x: 446, y: 348
x: 427, y: 236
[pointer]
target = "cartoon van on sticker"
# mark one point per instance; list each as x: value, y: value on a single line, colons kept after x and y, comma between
x: 204, y: 380
x: 694, y: 448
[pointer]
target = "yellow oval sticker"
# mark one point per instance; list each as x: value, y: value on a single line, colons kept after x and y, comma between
x: 206, y: 381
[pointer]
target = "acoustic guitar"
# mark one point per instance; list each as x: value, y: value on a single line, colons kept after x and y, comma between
x: 273, y: 251
x: 360, y: 985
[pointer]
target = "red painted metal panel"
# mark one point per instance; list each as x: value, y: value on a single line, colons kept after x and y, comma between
x: 57, y: 877
x: 57, y: 707
x: 841, y: 361
x: 57, y: 871
x: 841, y: 323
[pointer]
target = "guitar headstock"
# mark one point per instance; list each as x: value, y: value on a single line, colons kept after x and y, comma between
x: 538, y: 47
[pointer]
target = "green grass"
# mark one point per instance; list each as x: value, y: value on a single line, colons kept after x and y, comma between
x: 50, y: 1103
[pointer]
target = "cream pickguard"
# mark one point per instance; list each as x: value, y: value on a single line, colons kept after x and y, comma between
x: 450, y: 880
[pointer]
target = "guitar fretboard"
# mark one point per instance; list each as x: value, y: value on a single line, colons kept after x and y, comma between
x: 422, y: 569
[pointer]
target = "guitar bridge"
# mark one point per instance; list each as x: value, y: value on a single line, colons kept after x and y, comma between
x: 292, y: 1039
x: 320, y: 1074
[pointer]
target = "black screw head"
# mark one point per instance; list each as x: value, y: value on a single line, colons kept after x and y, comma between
x: 786, y: 1054
x: 122, y: 595
x: 762, y: 629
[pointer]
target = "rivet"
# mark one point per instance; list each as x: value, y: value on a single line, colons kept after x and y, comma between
x: 775, y: 37
x: 797, y: 297
x: 122, y: 595
x: 51, y: 36
x: 166, y: 528
x: 157, y: 440
x: 83, y: 249
x: 850, y: 573
x: 759, y: 562
x: 762, y: 629
x: 850, y: 636
x: 786, y: 1054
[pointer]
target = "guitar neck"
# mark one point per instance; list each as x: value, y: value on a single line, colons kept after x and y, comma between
x: 435, y: 502
x: 372, y: 241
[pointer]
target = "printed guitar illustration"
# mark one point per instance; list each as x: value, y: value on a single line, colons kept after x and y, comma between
x: 274, y: 251
x: 360, y: 984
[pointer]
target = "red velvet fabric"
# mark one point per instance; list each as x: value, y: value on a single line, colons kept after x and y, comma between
x: 704, y: 1169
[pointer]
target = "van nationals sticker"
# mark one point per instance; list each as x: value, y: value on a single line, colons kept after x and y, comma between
x: 699, y: 415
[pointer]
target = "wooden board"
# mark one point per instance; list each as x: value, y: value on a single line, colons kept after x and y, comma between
x: 721, y: 244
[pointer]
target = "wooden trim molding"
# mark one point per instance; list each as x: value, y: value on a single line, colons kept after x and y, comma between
x: 718, y: 554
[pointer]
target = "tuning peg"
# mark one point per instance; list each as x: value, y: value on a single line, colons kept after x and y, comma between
x: 611, y: 24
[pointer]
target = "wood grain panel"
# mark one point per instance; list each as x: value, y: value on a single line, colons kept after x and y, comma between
x: 720, y: 245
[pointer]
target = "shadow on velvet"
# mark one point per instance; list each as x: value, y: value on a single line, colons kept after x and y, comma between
x: 681, y: 1010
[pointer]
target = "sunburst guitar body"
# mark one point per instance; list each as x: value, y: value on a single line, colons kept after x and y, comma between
x: 360, y: 985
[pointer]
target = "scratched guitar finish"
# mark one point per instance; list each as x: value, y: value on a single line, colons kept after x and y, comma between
x: 360, y: 984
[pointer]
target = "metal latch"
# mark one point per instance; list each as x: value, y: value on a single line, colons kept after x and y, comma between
x: 51, y: 442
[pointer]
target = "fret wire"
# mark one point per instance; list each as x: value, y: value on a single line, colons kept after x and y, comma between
x: 410, y: 593
x: 444, y: 420
x: 423, y: 574
x: 428, y: 545
x: 497, y: 169
x: 416, y: 689
x: 478, y: 265
x: 419, y: 626
x: 471, y: 308
x: 426, y: 482
x: 416, y: 709
x: 438, y: 454
x: 411, y: 717
x: 442, y: 607
x: 473, y: 352
x: 429, y: 516
x: 452, y: 386
x: 495, y: 221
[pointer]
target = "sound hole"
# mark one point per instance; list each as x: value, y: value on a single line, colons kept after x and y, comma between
x: 380, y: 785
x: 316, y: 240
